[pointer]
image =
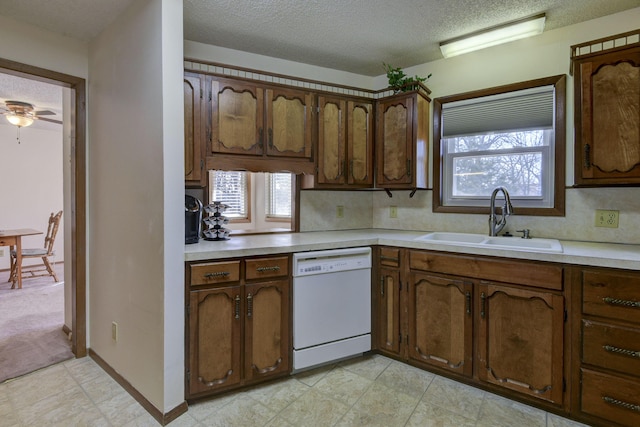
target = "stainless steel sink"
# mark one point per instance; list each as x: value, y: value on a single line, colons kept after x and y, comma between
x: 498, y: 242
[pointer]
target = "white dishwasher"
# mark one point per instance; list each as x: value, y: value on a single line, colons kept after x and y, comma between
x: 331, y: 305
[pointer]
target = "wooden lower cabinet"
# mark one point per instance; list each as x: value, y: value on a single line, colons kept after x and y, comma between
x: 457, y: 316
x: 238, y: 332
x: 215, y: 328
x: 441, y: 322
x: 521, y: 339
x: 607, y: 365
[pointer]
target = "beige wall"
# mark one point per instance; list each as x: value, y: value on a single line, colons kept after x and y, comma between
x: 135, y: 198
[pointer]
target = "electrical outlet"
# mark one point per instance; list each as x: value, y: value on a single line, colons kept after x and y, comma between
x: 114, y: 331
x: 339, y: 211
x: 393, y: 212
x: 605, y: 218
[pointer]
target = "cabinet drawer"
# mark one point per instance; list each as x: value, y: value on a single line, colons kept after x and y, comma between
x: 540, y: 275
x: 390, y: 257
x: 267, y: 267
x: 215, y: 272
x: 615, y: 399
x: 611, y: 294
x: 7, y: 241
x: 611, y: 347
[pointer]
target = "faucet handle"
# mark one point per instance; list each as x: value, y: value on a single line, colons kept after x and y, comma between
x: 525, y: 233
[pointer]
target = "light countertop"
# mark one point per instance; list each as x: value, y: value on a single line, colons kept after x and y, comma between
x: 580, y: 253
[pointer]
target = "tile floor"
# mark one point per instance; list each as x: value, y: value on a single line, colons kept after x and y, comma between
x: 365, y: 391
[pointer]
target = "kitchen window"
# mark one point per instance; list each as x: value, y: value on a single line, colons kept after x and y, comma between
x: 258, y: 202
x: 511, y: 136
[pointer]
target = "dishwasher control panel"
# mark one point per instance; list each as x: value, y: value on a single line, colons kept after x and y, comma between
x: 323, y: 262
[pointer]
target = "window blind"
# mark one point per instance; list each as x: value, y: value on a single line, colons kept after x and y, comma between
x: 518, y: 110
x: 230, y: 188
x: 278, y: 195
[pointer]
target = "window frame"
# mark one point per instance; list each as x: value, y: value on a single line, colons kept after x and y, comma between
x: 559, y: 161
x: 276, y: 218
x: 247, y: 201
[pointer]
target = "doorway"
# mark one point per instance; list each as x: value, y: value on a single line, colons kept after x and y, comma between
x: 77, y: 193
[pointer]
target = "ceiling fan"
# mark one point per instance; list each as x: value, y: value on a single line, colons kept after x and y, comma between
x: 22, y: 114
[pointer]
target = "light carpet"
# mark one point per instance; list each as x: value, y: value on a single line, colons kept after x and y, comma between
x: 31, y: 321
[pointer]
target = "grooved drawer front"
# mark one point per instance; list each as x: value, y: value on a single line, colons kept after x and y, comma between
x: 215, y: 272
x: 267, y: 267
x: 390, y: 257
x: 615, y: 399
x: 611, y: 347
x: 613, y: 295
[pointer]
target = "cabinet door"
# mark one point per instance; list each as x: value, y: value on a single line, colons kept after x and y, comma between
x: 520, y: 339
x: 389, y: 311
x: 331, y: 140
x: 394, y: 142
x: 441, y: 322
x: 267, y: 343
x: 289, y: 123
x: 237, y: 117
x: 360, y: 143
x: 215, y: 321
x: 608, y: 126
x: 194, y: 129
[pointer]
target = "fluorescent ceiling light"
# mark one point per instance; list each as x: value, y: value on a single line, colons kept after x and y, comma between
x: 515, y: 30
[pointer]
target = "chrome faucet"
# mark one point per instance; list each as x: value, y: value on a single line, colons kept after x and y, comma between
x: 494, y: 225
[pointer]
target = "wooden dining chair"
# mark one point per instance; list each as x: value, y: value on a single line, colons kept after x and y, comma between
x: 45, y: 253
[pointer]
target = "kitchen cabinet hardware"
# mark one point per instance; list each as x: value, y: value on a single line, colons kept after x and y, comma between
x: 587, y: 156
x: 483, y: 301
x: 271, y: 268
x: 237, y: 307
x: 409, y: 168
x: 618, y: 350
x: 249, y: 305
x: 617, y: 402
x: 467, y: 296
x: 216, y: 274
x: 621, y: 302
x: 382, y: 286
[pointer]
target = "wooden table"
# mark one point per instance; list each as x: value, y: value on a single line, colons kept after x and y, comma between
x: 13, y: 239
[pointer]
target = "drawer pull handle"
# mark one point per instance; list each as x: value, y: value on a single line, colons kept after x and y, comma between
x: 264, y: 269
x: 388, y: 258
x: 237, y: 307
x: 625, y: 405
x: 617, y: 350
x: 216, y: 274
x: 621, y: 302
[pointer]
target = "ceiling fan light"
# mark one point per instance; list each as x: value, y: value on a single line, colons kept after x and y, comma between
x: 19, y: 120
x: 511, y: 31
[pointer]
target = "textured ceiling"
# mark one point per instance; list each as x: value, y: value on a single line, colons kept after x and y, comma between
x: 43, y: 96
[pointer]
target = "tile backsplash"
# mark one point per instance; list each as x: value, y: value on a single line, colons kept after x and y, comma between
x: 371, y: 209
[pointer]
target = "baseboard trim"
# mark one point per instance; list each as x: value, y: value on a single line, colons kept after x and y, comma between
x: 163, y: 419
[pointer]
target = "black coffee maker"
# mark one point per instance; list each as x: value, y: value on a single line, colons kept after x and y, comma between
x: 192, y: 219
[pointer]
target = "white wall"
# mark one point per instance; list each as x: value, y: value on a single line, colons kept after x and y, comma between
x: 135, y: 196
x: 31, y: 184
x: 540, y: 56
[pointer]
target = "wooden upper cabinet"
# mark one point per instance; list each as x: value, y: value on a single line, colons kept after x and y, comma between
x: 402, y: 140
x: 607, y: 116
x: 195, y: 132
x: 345, y: 143
x: 289, y: 124
x: 520, y: 340
x: 237, y: 118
